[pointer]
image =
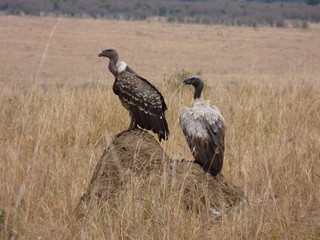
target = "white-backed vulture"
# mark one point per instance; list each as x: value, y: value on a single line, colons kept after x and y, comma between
x: 144, y: 102
x: 204, y: 129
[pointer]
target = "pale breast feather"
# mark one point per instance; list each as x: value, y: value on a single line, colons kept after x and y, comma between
x: 191, y: 124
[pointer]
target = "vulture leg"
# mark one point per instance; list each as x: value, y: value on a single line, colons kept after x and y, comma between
x: 133, y: 123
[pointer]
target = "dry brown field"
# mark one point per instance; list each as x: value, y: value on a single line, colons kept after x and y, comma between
x: 58, y: 114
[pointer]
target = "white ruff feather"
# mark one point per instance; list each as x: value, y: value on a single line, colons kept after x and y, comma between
x: 121, y: 67
x: 202, y: 109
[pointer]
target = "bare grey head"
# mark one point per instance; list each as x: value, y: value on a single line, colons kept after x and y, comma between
x: 109, y: 53
x: 198, y: 84
x: 113, y: 55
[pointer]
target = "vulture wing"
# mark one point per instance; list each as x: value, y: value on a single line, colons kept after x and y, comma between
x: 144, y: 101
x: 204, y: 132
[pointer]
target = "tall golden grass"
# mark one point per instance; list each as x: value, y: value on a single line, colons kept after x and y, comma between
x: 54, y: 130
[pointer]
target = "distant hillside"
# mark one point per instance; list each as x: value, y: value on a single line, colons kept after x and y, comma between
x: 252, y: 13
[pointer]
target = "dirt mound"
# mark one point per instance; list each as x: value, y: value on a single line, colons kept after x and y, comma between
x: 137, y: 155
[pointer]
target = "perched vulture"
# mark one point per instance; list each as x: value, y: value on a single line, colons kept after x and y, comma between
x: 204, y: 129
x: 144, y: 102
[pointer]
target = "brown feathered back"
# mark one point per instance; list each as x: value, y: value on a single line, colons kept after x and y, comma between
x: 144, y: 102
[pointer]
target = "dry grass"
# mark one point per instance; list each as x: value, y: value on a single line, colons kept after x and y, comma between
x: 53, y: 130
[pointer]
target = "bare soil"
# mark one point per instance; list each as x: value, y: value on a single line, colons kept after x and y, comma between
x: 137, y: 154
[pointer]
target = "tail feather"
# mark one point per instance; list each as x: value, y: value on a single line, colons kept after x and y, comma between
x: 156, y: 123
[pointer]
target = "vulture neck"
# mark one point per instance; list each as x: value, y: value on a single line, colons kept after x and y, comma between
x: 198, y: 90
x: 113, y: 66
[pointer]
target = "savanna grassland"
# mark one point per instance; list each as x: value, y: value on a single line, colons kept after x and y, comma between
x: 58, y: 114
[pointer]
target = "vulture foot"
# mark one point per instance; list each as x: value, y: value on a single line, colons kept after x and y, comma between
x: 121, y: 133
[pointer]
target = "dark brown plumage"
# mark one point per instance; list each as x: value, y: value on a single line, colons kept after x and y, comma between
x: 144, y: 102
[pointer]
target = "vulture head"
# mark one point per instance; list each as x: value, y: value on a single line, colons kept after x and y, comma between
x: 109, y: 53
x: 195, y: 80
x: 198, y: 84
x: 113, y: 55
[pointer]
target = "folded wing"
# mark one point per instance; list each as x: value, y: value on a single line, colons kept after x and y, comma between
x: 144, y: 102
x: 205, y: 137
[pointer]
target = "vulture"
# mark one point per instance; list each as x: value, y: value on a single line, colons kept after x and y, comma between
x: 144, y: 102
x: 204, y: 129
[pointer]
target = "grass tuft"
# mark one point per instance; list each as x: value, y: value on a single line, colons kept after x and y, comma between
x: 53, y: 133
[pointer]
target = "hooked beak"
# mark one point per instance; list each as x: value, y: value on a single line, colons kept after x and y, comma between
x: 188, y: 81
x: 102, y: 54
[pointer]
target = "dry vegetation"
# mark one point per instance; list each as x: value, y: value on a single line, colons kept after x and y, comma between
x: 58, y: 114
x: 236, y: 13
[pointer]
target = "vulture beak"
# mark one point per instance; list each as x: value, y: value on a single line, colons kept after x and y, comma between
x: 102, y: 53
x: 188, y: 81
